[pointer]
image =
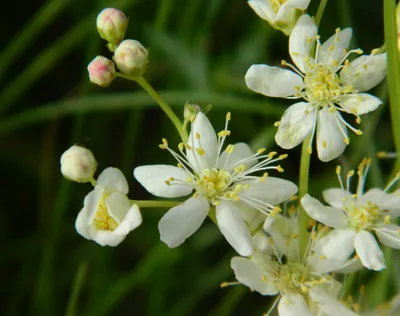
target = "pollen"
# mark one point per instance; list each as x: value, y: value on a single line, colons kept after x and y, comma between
x: 102, y: 219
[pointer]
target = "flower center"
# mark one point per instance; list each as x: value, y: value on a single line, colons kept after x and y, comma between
x: 102, y: 219
x: 213, y: 182
x: 276, y: 5
x: 322, y: 84
x: 363, y: 217
x: 292, y: 277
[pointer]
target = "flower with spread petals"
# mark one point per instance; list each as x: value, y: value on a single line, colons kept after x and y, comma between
x: 78, y: 164
x: 328, y: 82
x: 220, y: 179
x: 304, y: 286
x: 107, y: 215
x: 355, y: 216
x: 281, y: 14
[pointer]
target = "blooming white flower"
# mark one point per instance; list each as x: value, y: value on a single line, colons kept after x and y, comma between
x: 107, y: 215
x: 303, y: 285
x: 355, y: 216
x: 221, y: 179
x: 281, y: 14
x: 327, y: 81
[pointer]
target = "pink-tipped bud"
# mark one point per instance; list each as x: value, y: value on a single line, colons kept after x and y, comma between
x: 78, y: 164
x: 101, y: 71
x: 111, y: 25
x: 131, y: 57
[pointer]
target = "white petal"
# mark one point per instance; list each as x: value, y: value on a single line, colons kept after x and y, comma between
x: 391, y: 204
x: 365, y: 72
x: 273, y: 81
x: 132, y: 220
x: 359, y: 103
x: 301, y: 41
x: 336, y: 247
x: 117, y: 206
x: 234, y: 228
x: 367, y: 249
x: 263, y: 10
x: 292, y: 4
x: 350, y: 266
x: 272, y: 191
x: 335, y: 48
x: 373, y: 195
x: 330, y: 139
x: 240, y: 151
x: 249, y: 274
x: 329, y: 216
x: 181, y: 221
x: 112, y: 179
x: 293, y: 305
x: 106, y: 237
x: 82, y: 224
x: 207, y: 141
x: 91, y: 202
x: 329, y: 304
x: 389, y: 235
x: 336, y: 197
x: 153, y: 179
x: 296, y: 124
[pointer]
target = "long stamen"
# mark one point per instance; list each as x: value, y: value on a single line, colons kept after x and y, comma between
x: 339, y: 176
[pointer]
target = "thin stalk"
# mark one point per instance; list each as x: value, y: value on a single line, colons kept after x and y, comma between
x: 320, y: 11
x: 148, y: 204
x: 76, y: 289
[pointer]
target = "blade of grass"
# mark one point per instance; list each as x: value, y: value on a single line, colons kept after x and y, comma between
x: 76, y: 289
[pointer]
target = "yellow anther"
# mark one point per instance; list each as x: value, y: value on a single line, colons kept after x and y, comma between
x: 365, y: 66
x: 189, y: 179
x: 228, y: 116
x: 275, y: 211
x: 359, y: 132
x: 264, y: 177
x: 294, y: 198
x: 276, y: 124
x: 240, y: 168
x: 375, y: 51
x: 381, y: 154
x: 181, y: 146
x: 179, y: 165
x: 331, y: 48
x: 359, y: 51
x: 309, y: 40
x: 281, y: 157
x: 197, y: 135
x: 347, y: 140
x: 261, y: 151
x: 294, y: 236
x: 323, y: 143
x: 229, y: 149
x: 284, y: 63
x: 279, y: 168
x: 338, y: 170
x: 350, y: 174
x: 337, y: 30
x: 246, y: 186
x: 200, y: 151
x: 322, y: 257
x: 347, y: 63
x: 358, y: 120
x: 272, y: 154
x: 309, y: 150
x: 335, y: 63
x: 387, y: 219
x: 224, y: 284
x: 264, y: 278
x: 167, y: 182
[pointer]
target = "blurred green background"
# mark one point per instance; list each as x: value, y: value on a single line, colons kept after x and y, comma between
x: 199, y: 51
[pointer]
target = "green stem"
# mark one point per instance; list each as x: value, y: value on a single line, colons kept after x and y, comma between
x: 76, y: 289
x: 303, y: 189
x: 148, y: 204
x: 160, y: 101
x: 320, y: 11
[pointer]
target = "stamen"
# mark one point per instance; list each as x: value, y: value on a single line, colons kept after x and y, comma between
x: 338, y: 173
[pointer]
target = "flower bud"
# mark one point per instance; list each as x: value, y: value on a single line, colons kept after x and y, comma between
x: 78, y: 164
x: 101, y: 71
x: 111, y: 25
x: 131, y: 57
x: 190, y: 110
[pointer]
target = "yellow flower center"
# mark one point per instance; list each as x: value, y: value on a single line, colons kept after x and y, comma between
x: 276, y: 5
x: 102, y: 219
x: 213, y: 182
x: 292, y: 277
x: 363, y: 217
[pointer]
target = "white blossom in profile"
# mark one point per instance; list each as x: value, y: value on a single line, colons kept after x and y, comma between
x: 355, y: 217
x: 220, y: 179
x: 328, y: 83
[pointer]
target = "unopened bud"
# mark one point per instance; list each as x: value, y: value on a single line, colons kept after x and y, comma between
x: 78, y: 164
x: 190, y: 110
x: 111, y: 25
x: 131, y: 57
x: 101, y: 71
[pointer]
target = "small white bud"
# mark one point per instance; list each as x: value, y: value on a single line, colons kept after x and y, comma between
x: 101, y: 71
x: 78, y: 164
x: 111, y: 25
x: 131, y: 57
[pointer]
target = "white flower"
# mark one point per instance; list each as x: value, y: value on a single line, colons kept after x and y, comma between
x: 107, y: 215
x: 304, y: 286
x: 329, y: 84
x: 281, y: 14
x: 355, y: 216
x: 221, y: 179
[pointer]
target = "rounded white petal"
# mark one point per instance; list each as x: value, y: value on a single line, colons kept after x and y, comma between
x: 301, y: 41
x: 335, y: 48
x: 273, y: 81
x: 359, y: 103
x: 112, y: 179
x: 389, y: 235
x: 132, y: 220
x: 181, y: 221
x: 106, y: 237
x: 391, y: 204
x: 234, y: 228
x: 295, y: 4
x: 240, y: 151
x: 375, y: 195
x: 117, y: 206
x: 272, y: 191
x: 350, y: 266
x: 153, y: 179
x: 207, y: 141
x: 91, y: 201
x: 328, y: 304
x: 329, y: 216
x: 293, y: 305
x: 296, y: 124
x: 249, y: 274
x: 336, y: 197
x: 365, y: 72
x: 367, y: 249
x: 330, y: 138
x: 263, y: 10
x: 82, y: 224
